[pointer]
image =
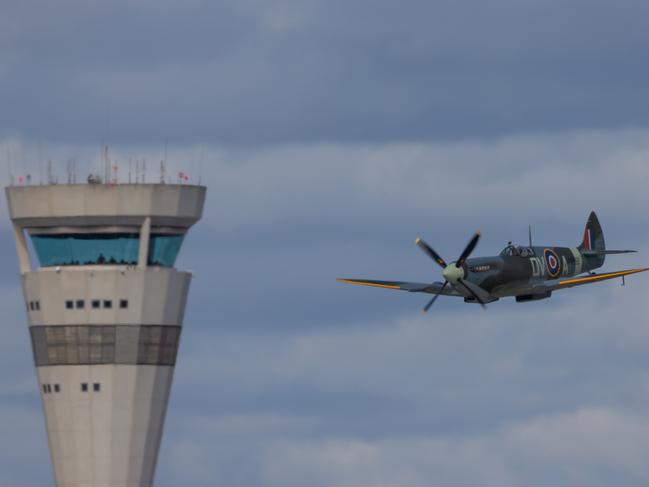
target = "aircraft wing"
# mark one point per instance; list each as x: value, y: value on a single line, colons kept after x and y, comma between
x: 556, y: 284
x: 412, y: 287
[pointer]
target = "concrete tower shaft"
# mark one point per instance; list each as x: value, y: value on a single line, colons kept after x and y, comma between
x: 105, y: 308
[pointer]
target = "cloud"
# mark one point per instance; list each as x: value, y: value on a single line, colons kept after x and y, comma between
x: 23, y: 449
x: 249, y: 72
x: 281, y: 224
x: 584, y: 447
x: 520, y: 395
x: 362, y: 185
x: 285, y: 375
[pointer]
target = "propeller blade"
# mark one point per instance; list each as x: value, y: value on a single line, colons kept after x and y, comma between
x: 467, y: 251
x: 432, y: 301
x: 430, y: 252
x: 477, y: 298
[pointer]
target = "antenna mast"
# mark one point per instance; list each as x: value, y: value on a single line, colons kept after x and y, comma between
x: 106, y: 166
x: 11, y: 173
x: 40, y: 164
x: 163, y: 165
x: 200, y: 167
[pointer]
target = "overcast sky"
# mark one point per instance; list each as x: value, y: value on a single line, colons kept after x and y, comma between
x: 330, y: 135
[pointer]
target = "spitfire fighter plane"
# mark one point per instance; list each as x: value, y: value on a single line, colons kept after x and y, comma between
x: 526, y: 273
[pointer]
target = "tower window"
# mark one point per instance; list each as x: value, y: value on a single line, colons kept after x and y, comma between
x: 108, y: 304
x: 31, y: 305
x: 163, y: 249
x: 69, y: 304
x: 57, y: 388
x: 37, y: 305
x: 44, y: 388
x: 96, y: 387
x: 96, y: 304
x: 87, y: 249
x: 123, y: 304
x: 49, y: 388
x: 84, y: 387
x: 81, y: 304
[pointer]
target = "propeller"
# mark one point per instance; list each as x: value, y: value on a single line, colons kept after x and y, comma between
x: 470, y: 247
x: 432, y: 301
x: 453, y: 273
x: 475, y: 296
x: 430, y: 252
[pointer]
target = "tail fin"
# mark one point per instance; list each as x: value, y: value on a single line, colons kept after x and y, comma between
x: 593, y: 242
x: 593, y: 235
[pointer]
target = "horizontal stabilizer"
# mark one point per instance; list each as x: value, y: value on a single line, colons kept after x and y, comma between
x: 607, y: 252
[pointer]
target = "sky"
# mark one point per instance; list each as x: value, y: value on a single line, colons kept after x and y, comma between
x: 330, y: 135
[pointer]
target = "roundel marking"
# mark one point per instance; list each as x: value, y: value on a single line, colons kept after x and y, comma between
x: 552, y: 262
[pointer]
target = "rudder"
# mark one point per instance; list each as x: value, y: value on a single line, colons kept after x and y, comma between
x: 593, y: 235
x: 593, y: 239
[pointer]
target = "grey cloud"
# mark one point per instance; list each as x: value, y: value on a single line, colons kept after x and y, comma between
x: 23, y: 449
x: 281, y: 225
x: 516, y: 396
x: 585, y: 447
x: 247, y: 73
x: 279, y: 364
x: 460, y: 365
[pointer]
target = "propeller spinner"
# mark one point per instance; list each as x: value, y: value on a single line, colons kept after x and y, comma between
x: 453, y: 273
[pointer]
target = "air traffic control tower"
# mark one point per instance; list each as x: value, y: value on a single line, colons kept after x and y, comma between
x: 105, y: 308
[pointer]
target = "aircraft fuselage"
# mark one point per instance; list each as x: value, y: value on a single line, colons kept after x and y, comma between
x: 518, y: 268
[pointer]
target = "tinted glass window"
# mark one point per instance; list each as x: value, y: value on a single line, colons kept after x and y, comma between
x: 86, y: 249
x: 164, y: 249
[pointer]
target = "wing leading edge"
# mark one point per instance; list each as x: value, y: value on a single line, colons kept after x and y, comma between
x: 412, y: 287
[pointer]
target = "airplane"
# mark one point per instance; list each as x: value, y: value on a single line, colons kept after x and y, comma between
x: 526, y: 273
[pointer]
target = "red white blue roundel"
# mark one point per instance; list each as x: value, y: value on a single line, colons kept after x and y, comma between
x: 552, y: 262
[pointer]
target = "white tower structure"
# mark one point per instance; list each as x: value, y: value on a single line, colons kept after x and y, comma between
x: 105, y: 308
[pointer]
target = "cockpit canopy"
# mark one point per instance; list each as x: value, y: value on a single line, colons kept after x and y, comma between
x: 517, y: 250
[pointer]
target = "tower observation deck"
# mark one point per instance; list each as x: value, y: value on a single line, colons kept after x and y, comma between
x: 105, y: 308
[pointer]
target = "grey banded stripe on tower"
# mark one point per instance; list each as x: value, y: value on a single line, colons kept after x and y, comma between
x: 105, y: 344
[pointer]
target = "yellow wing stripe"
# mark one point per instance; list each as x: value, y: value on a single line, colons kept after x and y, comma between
x: 599, y: 277
x: 372, y: 284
